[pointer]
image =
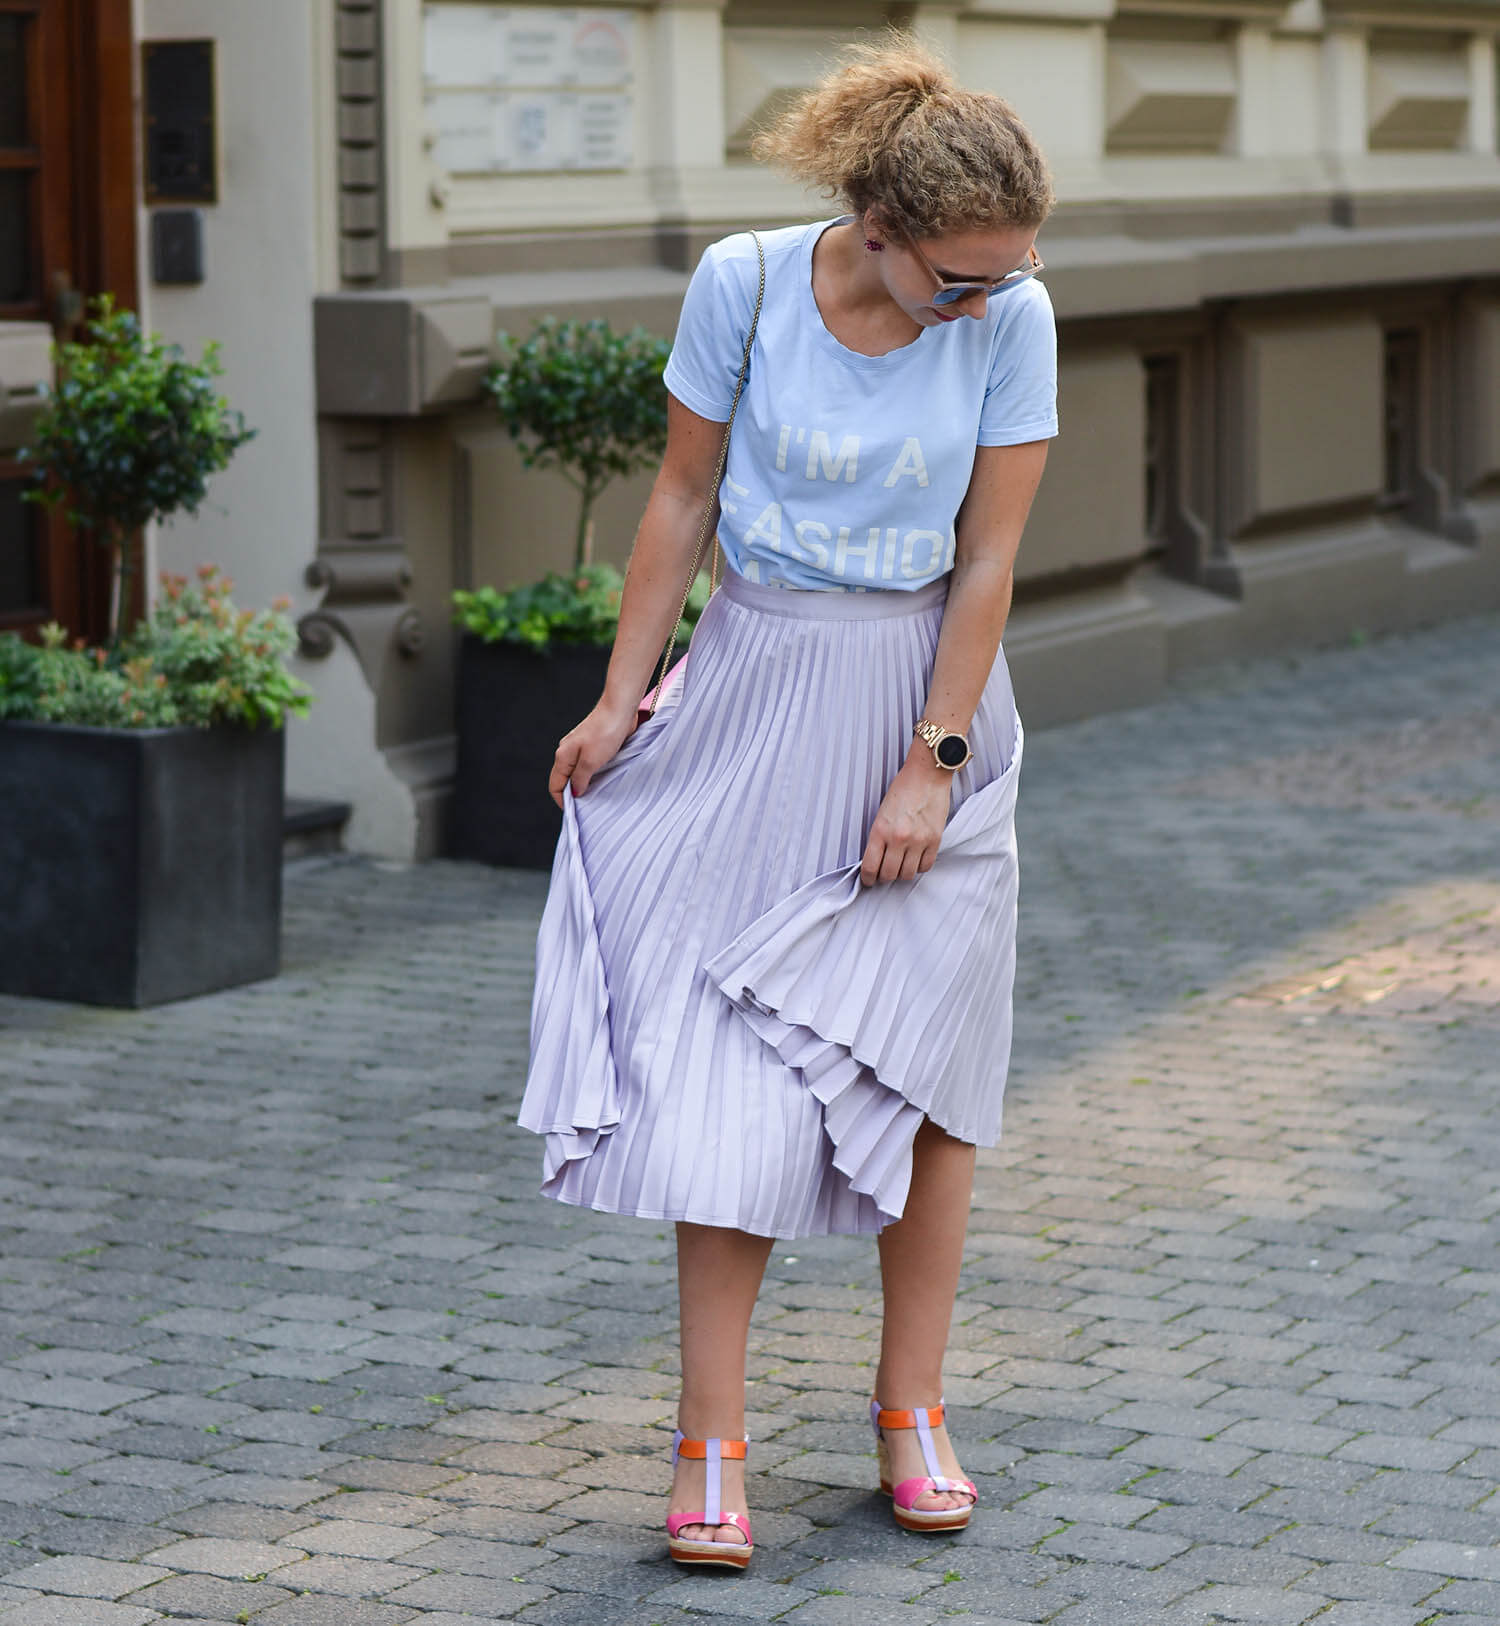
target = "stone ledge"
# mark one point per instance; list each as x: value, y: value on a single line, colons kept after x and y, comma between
x: 409, y: 352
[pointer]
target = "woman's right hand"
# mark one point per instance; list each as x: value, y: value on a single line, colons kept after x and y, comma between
x: 584, y: 750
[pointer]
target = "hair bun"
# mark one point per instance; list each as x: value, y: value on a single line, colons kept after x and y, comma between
x: 879, y: 85
x: 891, y: 129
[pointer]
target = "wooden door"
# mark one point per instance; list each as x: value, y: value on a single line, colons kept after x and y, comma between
x: 67, y: 232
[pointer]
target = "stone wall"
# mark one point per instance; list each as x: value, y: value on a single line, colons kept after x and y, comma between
x: 1275, y: 262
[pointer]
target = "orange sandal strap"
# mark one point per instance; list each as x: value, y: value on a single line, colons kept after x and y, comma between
x: 924, y: 1419
x: 932, y: 1416
x: 699, y: 1448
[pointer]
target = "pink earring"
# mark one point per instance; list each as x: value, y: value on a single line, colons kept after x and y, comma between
x: 873, y: 246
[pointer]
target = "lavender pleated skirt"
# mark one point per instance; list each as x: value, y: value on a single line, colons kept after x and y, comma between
x: 727, y: 1027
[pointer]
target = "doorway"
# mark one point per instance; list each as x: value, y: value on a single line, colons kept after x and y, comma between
x: 67, y: 233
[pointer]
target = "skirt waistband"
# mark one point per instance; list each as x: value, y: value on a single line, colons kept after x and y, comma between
x: 835, y: 604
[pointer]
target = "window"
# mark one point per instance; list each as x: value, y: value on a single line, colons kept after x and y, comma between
x: 1403, y: 416
x: 20, y: 532
x: 1163, y: 442
x: 19, y: 164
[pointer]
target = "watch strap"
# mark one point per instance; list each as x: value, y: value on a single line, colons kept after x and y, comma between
x: 934, y: 734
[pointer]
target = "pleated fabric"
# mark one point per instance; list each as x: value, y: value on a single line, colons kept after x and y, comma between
x: 727, y: 1026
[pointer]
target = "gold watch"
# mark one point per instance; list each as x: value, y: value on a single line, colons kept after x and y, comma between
x: 949, y: 749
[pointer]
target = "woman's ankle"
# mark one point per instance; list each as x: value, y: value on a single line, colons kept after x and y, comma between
x: 907, y: 1392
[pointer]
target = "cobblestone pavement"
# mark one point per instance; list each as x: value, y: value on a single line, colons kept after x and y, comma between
x: 285, y: 1335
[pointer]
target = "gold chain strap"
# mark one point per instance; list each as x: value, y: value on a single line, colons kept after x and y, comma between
x: 703, y: 530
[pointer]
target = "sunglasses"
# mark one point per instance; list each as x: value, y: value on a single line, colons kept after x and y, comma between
x: 949, y: 292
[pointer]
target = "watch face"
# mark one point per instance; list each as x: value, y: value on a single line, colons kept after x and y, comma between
x: 952, y: 750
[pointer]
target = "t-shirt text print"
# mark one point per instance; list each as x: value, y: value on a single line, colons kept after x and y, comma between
x: 846, y: 471
x: 852, y: 554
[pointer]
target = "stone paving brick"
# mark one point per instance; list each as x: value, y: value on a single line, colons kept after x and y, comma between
x: 335, y: 1572
x: 1094, y: 1541
x: 353, y: 1539
x: 1376, y: 1614
x: 850, y: 1611
x: 471, y: 1594
x: 60, y: 1611
x: 1393, y: 1451
x: 1086, y: 1507
x: 572, y: 1610
x: 1437, y: 1524
x: 746, y: 1596
x: 1113, y: 1612
x: 209, y: 1596
x: 345, y: 1612
x: 128, y: 1503
x: 1350, y: 1580
x: 233, y: 1559
x: 1462, y: 1597
x: 1449, y: 1558
x: 1227, y: 1305
x: 99, y: 1538
x: 262, y: 1491
x: 1269, y: 1605
x: 82, y: 1577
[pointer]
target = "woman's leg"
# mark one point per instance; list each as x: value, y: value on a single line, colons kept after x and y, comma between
x: 920, y: 1255
x: 718, y: 1276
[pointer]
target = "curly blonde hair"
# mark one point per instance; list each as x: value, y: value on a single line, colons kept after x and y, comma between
x: 892, y: 131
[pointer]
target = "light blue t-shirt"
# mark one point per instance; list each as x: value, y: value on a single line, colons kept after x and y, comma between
x: 846, y: 471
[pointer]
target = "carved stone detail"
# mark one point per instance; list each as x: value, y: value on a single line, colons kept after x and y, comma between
x: 372, y: 631
x: 361, y: 565
x: 360, y: 133
x: 398, y: 355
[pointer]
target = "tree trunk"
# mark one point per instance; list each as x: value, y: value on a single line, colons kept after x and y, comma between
x: 118, y: 574
x: 583, y: 548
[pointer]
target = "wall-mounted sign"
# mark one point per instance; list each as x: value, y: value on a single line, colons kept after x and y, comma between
x: 463, y: 128
x: 516, y: 88
x: 500, y: 131
x: 178, y: 107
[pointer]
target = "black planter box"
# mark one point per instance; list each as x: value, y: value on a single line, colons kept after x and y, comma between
x: 138, y: 866
x: 514, y: 705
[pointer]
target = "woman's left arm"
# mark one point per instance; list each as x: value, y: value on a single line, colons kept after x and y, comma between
x: 904, y: 838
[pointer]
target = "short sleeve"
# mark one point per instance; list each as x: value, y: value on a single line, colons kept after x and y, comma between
x: 1020, y: 402
x: 710, y: 344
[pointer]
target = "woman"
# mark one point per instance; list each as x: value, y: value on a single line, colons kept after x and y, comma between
x: 774, y: 970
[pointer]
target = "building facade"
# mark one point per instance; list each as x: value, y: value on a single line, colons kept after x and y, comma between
x: 1275, y: 264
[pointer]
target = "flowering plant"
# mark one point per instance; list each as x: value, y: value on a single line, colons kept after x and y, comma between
x: 581, y: 608
x: 194, y: 660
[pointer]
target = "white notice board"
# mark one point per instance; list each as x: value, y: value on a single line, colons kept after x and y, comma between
x: 515, y: 88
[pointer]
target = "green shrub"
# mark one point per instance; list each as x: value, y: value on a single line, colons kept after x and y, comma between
x: 583, y: 608
x: 584, y: 400
x: 131, y: 433
x: 194, y: 660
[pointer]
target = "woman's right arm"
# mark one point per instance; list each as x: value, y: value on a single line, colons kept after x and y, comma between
x: 654, y: 583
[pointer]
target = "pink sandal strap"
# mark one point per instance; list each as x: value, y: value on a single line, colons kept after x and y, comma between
x: 907, y: 1492
x: 675, y: 1522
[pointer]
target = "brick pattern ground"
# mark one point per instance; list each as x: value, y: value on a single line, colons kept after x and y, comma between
x: 286, y: 1337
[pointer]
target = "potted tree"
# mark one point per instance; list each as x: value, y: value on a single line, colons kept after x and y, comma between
x: 141, y: 782
x: 590, y: 403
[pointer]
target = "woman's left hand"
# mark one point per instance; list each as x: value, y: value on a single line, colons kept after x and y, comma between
x: 909, y: 824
